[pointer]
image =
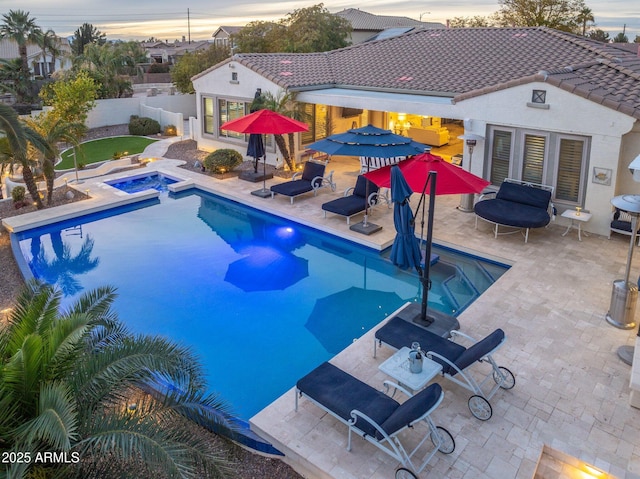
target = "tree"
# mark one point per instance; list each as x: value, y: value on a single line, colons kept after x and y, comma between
x: 621, y: 38
x: 77, y: 381
x: 86, y: 34
x: 284, y: 103
x: 599, y: 35
x: 312, y: 29
x: 557, y: 14
x: 585, y: 16
x: 470, y: 22
x: 18, y: 138
x: 260, y: 37
x: 110, y: 65
x: 192, y: 63
x: 315, y: 29
x: 49, y: 42
x: 19, y: 27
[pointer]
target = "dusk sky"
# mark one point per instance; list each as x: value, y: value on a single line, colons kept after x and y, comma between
x: 168, y: 19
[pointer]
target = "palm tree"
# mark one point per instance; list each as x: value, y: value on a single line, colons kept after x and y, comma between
x: 22, y: 29
x: 18, y: 137
x: 54, y: 131
x: 585, y: 16
x: 284, y: 103
x: 77, y: 381
x: 49, y: 43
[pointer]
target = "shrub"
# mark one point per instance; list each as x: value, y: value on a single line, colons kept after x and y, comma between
x: 170, y: 130
x: 143, y: 126
x: 18, y: 194
x: 158, y: 68
x: 222, y: 160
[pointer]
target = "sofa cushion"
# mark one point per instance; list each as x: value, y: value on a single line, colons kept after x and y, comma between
x: 526, y: 195
x: 292, y: 188
x: 510, y: 213
x: 346, y: 206
x: 311, y: 170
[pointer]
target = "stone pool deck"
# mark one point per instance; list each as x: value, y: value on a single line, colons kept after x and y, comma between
x: 572, y: 391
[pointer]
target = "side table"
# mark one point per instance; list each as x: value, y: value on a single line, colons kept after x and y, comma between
x: 397, y: 366
x: 577, y: 218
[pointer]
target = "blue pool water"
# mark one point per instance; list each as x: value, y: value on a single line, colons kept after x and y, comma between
x: 146, y: 182
x: 261, y: 300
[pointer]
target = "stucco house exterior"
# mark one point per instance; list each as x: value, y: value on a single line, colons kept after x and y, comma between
x: 41, y: 63
x: 545, y: 106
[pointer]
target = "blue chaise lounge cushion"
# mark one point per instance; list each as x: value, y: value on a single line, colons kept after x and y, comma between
x: 341, y: 393
x: 412, y: 409
x: 354, y: 203
x: 517, y: 205
x: 305, y: 183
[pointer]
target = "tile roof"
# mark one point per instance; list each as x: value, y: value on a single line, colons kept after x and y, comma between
x: 462, y: 63
x: 368, y: 21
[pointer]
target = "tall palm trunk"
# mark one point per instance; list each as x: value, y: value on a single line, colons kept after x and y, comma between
x: 282, y: 146
x: 292, y: 149
x: 49, y: 175
x: 30, y: 183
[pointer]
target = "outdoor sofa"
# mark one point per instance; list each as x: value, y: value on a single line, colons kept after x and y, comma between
x: 517, y: 204
x: 311, y: 179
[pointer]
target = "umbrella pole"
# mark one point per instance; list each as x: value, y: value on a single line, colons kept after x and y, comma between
x: 264, y: 192
x: 364, y: 226
x: 426, y: 281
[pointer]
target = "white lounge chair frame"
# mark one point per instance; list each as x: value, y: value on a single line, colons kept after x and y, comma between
x: 478, y: 403
x: 440, y: 437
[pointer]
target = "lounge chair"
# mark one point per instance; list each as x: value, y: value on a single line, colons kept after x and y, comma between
x: 355, y: 200
x: 311, y: 179
x: 376, y: 417
x: 455, y: 358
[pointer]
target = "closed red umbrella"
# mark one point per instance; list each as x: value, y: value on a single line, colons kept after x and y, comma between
x: 452, y: 179
x: 265, y: 122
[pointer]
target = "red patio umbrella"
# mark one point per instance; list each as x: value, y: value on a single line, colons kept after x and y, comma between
x: 265, y: 122
x: 452, y: 179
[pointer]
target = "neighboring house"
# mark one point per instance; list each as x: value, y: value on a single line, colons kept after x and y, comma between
x: 41, y: 64
x: 546, y: 106
x: 170, y: 53
x: 367, y: 25
x: 223, y: 36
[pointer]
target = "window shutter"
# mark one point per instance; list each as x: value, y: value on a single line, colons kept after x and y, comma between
x: 569, y: 170
x: 533, y: 158
x: 500, y: 156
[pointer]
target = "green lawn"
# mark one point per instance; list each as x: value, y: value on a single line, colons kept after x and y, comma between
x: 104, y: 149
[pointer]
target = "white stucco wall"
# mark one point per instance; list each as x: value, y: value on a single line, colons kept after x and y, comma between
x: 117, y: 111
x: 219, y: 83
x: 567, y: 113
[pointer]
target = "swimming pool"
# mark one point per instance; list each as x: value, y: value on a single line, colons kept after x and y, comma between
x: 261, y: 299
x: 135, y: 184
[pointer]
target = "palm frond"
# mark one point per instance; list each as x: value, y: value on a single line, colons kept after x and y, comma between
x: 56, y: 424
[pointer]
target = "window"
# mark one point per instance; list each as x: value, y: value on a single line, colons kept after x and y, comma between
x: 230, y: 110
x: 207, y: 116
x: 539, y: 96
x: 318, y: 120
x: 540, y: 157
x: 569, y: 177
x: 533, y: 156
x: 500, y: 156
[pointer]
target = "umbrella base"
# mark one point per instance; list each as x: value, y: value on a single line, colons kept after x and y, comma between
x: 365, y: 229
x: 435, y: 322
x: 262, y: 193
x: 254, y: 177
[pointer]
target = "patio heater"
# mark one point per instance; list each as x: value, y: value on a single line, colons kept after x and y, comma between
x: 467, y: 200
x: 625, y: 294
